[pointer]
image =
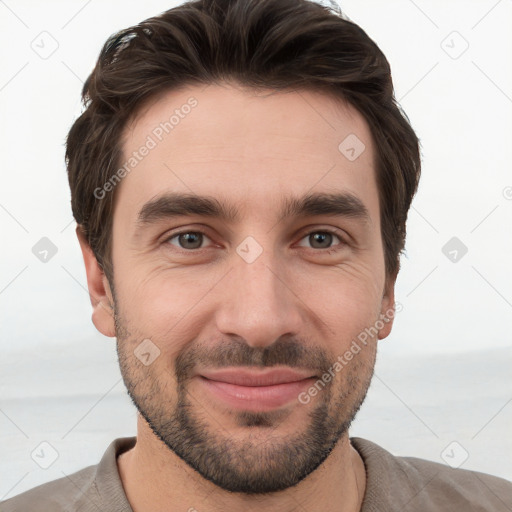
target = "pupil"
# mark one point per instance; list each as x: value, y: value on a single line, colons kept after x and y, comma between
x: 189, y: 237
x: 321, y: 236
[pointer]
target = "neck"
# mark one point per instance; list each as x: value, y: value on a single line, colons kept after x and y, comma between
x: 155, y: 478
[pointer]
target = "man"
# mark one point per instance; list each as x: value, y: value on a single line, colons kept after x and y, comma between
x: 265, y: 135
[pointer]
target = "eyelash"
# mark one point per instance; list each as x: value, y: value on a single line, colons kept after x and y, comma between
x: 327, y: 249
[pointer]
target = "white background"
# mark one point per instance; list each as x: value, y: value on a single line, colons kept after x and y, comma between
x: 444, y: 373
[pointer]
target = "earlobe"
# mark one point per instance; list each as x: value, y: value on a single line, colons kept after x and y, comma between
x: 99, y: 289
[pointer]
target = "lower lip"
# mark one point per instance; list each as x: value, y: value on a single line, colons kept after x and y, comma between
x: 256, y: 398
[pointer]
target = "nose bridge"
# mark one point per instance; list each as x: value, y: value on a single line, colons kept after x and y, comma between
x: 260, y: 283
x: 257, y: 303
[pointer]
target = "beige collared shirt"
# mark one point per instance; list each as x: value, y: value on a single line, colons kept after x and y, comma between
x: 393, y: 483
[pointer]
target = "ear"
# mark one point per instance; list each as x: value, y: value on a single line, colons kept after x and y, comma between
x: 99, y: 290
x: 388, y: 307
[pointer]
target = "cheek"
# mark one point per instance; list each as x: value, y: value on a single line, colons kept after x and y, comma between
x: 347, y: 298
x: 166, y: 307
x: 151, y: 298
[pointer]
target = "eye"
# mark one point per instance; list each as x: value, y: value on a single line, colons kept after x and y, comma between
x: 193, y: 240
x: 322, y: 239
x: 188, y: 239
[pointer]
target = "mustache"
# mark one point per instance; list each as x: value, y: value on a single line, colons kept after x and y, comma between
x: 237, y: 352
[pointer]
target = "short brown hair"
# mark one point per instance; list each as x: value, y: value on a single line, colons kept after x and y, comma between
x: 267, y: 44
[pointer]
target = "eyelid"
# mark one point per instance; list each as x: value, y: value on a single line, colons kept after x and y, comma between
x: 343, y: 238
x: 332, y: 230
x: 173, y: 234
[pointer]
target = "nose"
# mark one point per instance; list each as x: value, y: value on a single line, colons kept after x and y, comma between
x: 259, y: 302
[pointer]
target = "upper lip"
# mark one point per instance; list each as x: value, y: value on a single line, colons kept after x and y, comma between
x: 244, y: 377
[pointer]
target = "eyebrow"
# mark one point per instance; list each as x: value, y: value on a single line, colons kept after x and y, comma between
x: 172, y: 205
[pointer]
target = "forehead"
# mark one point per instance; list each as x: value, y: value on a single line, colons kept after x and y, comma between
x: 252, y: 148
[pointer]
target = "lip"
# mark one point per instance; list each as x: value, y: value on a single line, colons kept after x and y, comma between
x: 255, y: 391
x: 243, y: 377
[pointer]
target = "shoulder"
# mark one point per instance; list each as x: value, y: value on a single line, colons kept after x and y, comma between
x: 411, y: 483
x: 469, y: 490
x: 93, y: 488
x: 56, y: 495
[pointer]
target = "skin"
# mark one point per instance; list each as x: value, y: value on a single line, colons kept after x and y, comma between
x: 209, y: 307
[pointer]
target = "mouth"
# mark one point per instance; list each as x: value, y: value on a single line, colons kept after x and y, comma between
x: 256, y: 390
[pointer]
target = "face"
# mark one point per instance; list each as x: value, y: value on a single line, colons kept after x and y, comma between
x: 279, y: 265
